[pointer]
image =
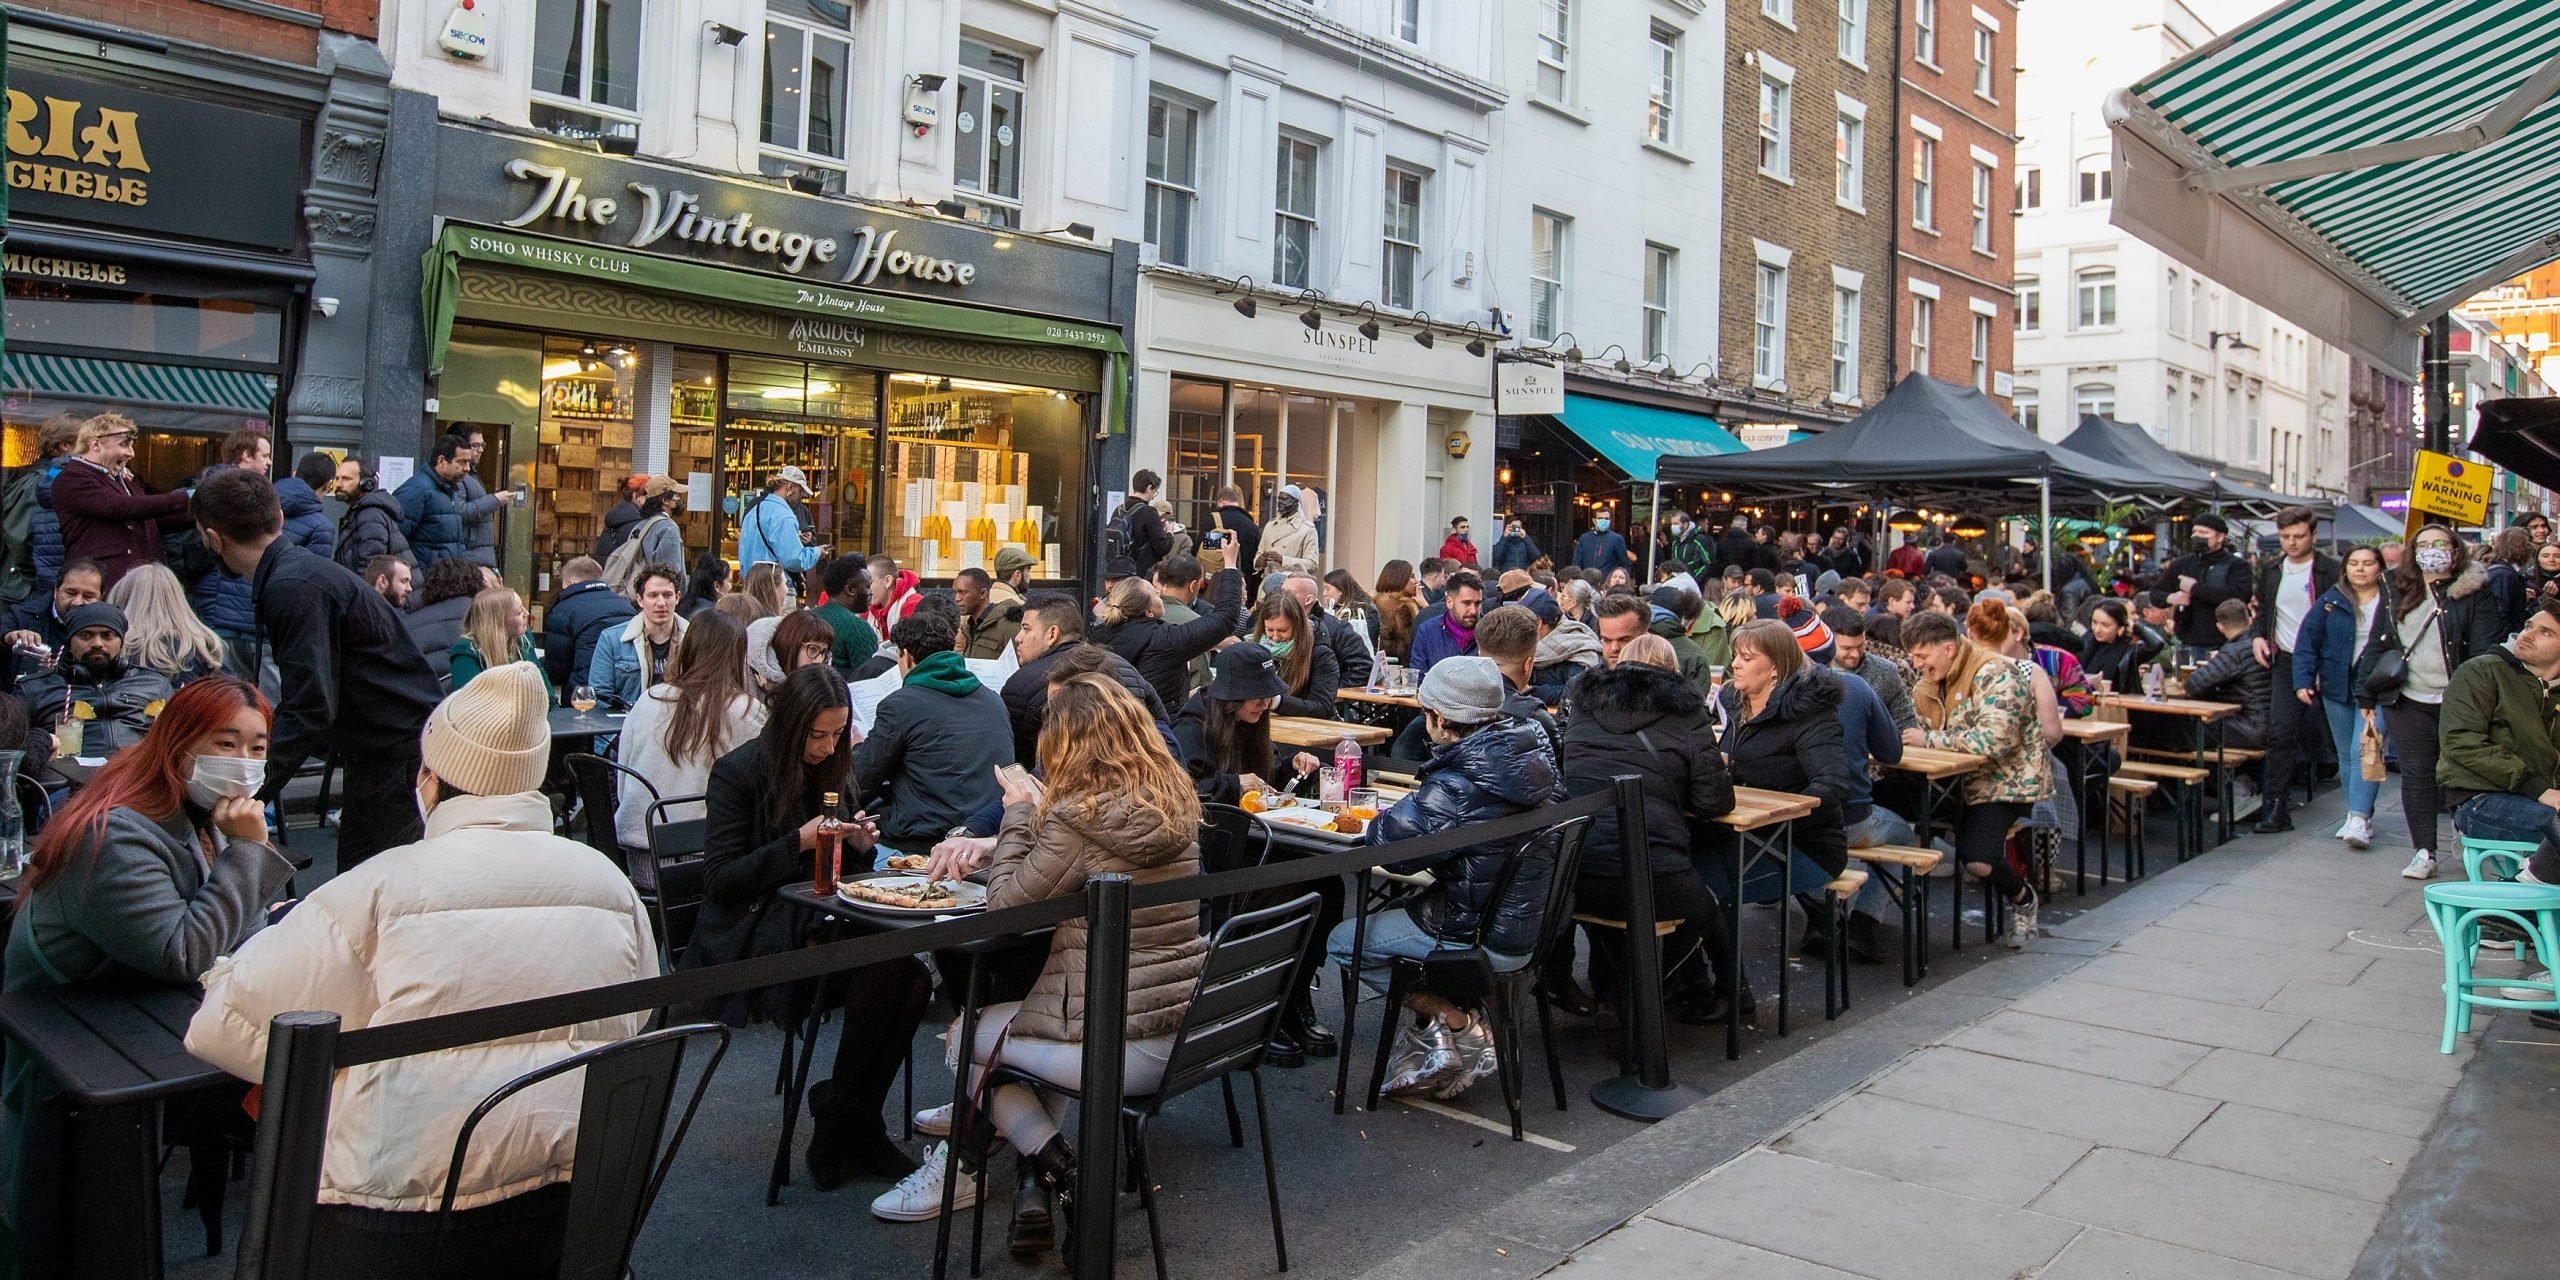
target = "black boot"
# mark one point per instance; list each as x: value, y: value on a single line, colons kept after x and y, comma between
x: 1034, y: 1229
x: 830, y: 1157
x: 1299, y: 1023
x: 2276, y: 818
x: 1866, y: 939
x: 1054, y: 1166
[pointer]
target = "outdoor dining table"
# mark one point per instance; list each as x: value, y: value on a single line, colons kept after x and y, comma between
x: 116, y: 1052
x: 2079, y: 738
x: 1763, y: 826
x: 2199, y: 714
x: 1378, y: 707
x: 1300, y: 731
x: 569, y: 722
x: 1941, y: 774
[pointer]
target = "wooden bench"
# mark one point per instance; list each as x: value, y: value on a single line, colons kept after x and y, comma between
x: 1906, y: 881
x: 2225, y: 756
x: 2188, y: 781
x: 2130, y: 796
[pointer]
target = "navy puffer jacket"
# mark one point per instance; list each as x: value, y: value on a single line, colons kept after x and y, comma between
x: 431, y: 516
x: 372, y: 528
x: 304, y: 524
x: 224, y: 602
x: 1500, y: 770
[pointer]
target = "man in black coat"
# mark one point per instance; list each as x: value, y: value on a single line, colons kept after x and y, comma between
x: 1238, y: 522
x: 1145, y: 539
x: 354, y: 684
x: 1734, y: 550
x: 1162, y: 651
x: 1947, y: 558
x: 2198, y: 582
x: 585, y: 609
x: 2288, y: 587
x: 1052, y: 623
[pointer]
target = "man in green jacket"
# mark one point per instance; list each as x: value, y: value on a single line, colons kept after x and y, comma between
x: 846, y: 581
x: 2500, y: 761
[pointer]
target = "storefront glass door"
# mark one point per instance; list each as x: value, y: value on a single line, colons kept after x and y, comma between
x: 823, y: 419
x: 1275, y: 438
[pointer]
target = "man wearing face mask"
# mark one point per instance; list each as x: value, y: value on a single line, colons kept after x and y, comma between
x: 1688, y: 547
x: 92, y: 683
x: 2199, y: 581
x: 1601, y: 549
x: 353, y: 682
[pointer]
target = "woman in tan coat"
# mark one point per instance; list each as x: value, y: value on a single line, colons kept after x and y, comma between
x: 1115, y: 801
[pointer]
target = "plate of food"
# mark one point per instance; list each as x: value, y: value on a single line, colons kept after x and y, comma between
x: 1338, y: 828
x: 899, y: 893
x: 906, y: 862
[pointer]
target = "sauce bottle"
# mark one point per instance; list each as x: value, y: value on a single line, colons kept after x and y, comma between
x: 827, y: 862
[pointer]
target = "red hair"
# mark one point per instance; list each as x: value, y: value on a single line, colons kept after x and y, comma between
x: 149, y: 777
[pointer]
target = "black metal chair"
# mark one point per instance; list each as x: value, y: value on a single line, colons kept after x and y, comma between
x: 1244, y: 985
x: 1466, y: 974
x: 624, y: 1149
x: 675, y: 864
x: 34, y: 806
x: 1231, y: 839
x: 599, y: 798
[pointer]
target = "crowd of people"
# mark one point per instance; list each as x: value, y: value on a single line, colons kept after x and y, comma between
x: 209, y: 644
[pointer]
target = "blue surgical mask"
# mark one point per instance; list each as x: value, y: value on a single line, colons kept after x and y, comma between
x: 1601, y: 524
x: 1280, y: 648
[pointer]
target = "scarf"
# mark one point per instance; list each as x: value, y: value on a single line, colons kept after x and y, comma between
x: 1465, y: 636
x: 944, y: 672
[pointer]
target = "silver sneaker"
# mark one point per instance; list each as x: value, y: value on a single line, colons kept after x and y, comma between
x: 2422, y: 866
x: 2022, y: 923
x: 1476, y: 1056
x: 2526, y: 993
x: 1425, y: 1055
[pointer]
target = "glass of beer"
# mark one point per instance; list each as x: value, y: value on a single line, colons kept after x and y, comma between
x: 583, y: 698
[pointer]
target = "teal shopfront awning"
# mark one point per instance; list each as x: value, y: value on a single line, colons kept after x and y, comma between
x: 132, y: 382
x: 1633, y: 437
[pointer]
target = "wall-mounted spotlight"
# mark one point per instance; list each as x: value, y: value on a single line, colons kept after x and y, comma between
x: 1311, y: 317
x: 724, y: 35
x: 1422, y: 337
x: 1243, y: 286
x: 1368, y: 327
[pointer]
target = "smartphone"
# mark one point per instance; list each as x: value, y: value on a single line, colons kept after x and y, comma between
x: 1213, y: 539
x: 1015, y: 775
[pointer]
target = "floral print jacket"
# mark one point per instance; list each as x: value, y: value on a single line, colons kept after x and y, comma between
x: 1987, y: 707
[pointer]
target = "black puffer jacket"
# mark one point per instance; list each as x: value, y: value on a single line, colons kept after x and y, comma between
x: 1351, y: 660
x: 2234, y: 674
x: 1162, y: 651
x: 1684, y: 775
x: 1497, y: 771
x: 1026, y: 696
x: 1794, y: 745
x: 578, y: 615
x: 371, y: 528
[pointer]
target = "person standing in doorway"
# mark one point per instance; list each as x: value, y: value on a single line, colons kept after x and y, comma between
x: 480, y: 507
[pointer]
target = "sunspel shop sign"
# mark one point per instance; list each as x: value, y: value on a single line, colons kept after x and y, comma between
x: 567, y: 193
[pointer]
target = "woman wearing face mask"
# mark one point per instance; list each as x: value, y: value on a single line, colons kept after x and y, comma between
x: 156, y: 867
x: 1225, y: 729
x: 2439, y: 616
x: 2334, y: 636
x: 1306, y: 666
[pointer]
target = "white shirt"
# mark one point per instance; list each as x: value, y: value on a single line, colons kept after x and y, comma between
x: 2364, y: 625
x: 2292, y: 602
x: 645, y: 750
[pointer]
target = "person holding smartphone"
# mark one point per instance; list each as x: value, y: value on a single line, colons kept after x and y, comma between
x: 935, y: 742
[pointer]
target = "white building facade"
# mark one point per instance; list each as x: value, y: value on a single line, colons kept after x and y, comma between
x: 2107, y: 324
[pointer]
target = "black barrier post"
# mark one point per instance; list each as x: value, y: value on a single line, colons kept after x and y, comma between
x: 1106, y: 1024
x: 293, y: 1134
x: 1651, y: 1093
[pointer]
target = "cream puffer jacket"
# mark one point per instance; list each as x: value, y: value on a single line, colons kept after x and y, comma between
x: 489, y: 909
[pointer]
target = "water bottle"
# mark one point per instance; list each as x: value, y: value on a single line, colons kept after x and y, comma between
x: 1346, y: 757
x: 2151, y: 682
x: 13, y: 821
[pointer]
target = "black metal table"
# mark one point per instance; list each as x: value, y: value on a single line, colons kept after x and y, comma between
x: 569, y: 722
x: 116, y: 1053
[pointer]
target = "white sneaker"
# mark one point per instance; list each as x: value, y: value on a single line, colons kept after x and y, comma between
x: 934, y: 1121
x: 2422, y: 866
x: 2022, y: 923
x: 919, y: 1197
x: 2526, y: 993
x: 2357, y: 831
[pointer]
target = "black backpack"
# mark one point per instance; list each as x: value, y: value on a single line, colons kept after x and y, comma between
x: 1115, y: 535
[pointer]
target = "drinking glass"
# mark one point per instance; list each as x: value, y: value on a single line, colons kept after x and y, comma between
x: 1362, y: 803
x: 1329, y: 786
x: 583, y: 698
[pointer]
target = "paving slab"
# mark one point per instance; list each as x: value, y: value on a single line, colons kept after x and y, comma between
x: 2200, y: 917
x: 2080, y: 1046
x: 2275, y: 1224
x: 2309, y: 1089
x: 2380, y: 1053
x: 2275, y: 904
x: 2399, y: 946
x: 2290, y: 878
x: 1646, y: 1247
x: 1863, y: 1224
x: 2174, y: 1017
x: 2111, y: 1255
x: 2247, y: 986
x: 2307, y: 1152
x: 2245, y: 953
x: 2068, y: 1103
x: 2407, y: 1012
x: 1906, y: 1141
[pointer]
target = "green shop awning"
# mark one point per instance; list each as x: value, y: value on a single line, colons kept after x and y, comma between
x: 133, y: 382
x: 1632, y: 437
x: 2356, y: 166
x: 442, y: 286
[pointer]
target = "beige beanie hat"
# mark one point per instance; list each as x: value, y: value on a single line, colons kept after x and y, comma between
x: 492, y: 737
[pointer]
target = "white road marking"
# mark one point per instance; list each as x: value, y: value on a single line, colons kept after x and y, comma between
x: 1501, y: 1127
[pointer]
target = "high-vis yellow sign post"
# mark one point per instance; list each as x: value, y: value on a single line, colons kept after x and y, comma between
x: 2443, y: 485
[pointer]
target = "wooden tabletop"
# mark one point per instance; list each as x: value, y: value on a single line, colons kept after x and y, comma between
x: 2192, y: 708
x: 1935, y: 762
x: 1299, y: 731
x: 2096, y: 730
x: 1753, y: 808
x: 1410, y: 701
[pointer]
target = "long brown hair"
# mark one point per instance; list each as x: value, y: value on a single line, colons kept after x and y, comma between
x: 1235, y: 746
x: 709, y: 675
x: 149, y: 777
x: 804, y: 696
x: 1349, y: 590
x: 1300, y: 661
x: 1098, y: 744
x: 1397, y: 608
x: 2409, y: 582
x: 765, y: 584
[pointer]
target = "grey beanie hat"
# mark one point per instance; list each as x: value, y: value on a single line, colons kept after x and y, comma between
x: 1463, y: 690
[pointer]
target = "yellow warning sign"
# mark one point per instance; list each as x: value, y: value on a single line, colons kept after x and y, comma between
x: 2443, y: 485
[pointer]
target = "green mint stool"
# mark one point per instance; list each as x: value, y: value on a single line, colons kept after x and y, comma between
x: 2512, y: 853
x: 2456, y: 911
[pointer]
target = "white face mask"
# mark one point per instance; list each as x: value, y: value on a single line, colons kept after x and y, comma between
x: 213, y: 778
x: 2435, y: 559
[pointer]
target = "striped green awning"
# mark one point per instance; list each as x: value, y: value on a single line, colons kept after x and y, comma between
x: 133, y: 382
x: 2403, y: 149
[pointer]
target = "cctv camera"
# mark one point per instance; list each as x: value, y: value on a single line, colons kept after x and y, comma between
x: 325, y: 306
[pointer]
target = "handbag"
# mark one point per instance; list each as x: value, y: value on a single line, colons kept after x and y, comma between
x: 2388, y: 668
x: 2369, y: 744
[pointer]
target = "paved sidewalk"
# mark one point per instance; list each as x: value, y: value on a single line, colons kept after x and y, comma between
x: 2232, y: 1086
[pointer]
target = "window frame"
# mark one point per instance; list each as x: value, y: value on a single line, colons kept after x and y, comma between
x: 1777, y: 119
x: 1769, y: 282
x: 1662, y: 88
x: 2029, y: 185
x: 1924, y: 321
x: 1161, y: 188
x: 993, y: 203
x: 1848, y: 310
x: 2027, y: 314
x: 1849, y: 153
x: 1924, y: 182
x: 1986, y: 55
x: 1659, y: 292
x: 585, y: 103
x: 2093, y: 297
x: 1782, y: 12
x: 1924, y: 33
x: 1284, y: 215
x: 1408, y: 21
x: 1853, y: 33
x: 1548, y: 290
x: 1555, y: 50
x: 1391, y: 249
x: 1980, y: 358
x: 1986, y: 183
x: 2026, y: 408
x: 806, y: 157
x: 2084, y: 179
x: 2175, y: 313
x: 2087, y: 397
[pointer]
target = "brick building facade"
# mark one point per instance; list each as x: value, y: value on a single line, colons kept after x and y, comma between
x: 1808, y: 207
x: 1956, y: 130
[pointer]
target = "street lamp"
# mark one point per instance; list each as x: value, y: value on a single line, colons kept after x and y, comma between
x: 2213, y: 341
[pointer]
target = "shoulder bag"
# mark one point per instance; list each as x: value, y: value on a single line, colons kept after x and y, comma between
x: 2386, y: 663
